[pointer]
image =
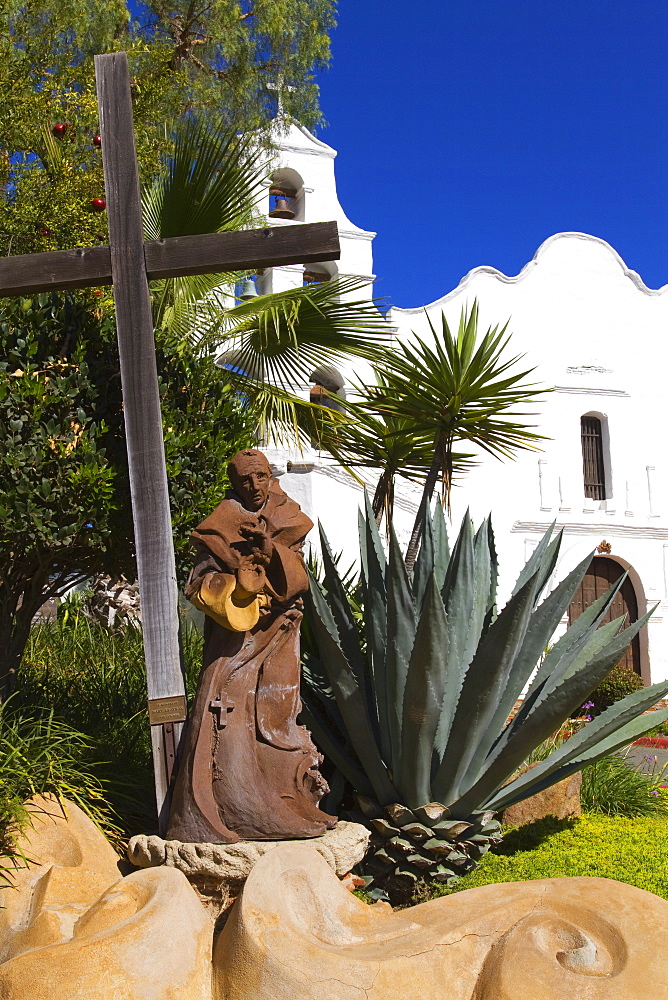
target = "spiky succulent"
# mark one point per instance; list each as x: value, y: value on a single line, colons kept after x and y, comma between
x: 414, y: 707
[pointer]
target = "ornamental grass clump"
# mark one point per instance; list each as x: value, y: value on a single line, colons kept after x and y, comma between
x: 38, y: 755
x: 414, y: 708
x: 613, y: 786
x: 94, y: 678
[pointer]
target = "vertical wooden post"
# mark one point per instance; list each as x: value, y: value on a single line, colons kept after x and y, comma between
x: 143, y: 424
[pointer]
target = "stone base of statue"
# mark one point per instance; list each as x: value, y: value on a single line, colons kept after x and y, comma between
x: 217, y: 872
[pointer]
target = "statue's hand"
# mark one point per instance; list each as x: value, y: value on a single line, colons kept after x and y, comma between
x: 260, y: 543
x: 251, y: 576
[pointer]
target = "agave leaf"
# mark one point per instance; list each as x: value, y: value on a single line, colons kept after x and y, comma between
x: 318, y: 684
x: 485, y: 680
x: 375, y: 626
x: 384, y: 828
x: 544, y: 621
x: 399, y: 814
x: 402, y: 845
x: 418, y: 831
x: 330, y: 746
x: 548, y: 562
x: 494, y: 576
x: 452, y: 829
x: 621, y: 723
x: 400, y: 641
x: 535, y: 559
x: 441, y: 545
x: 548, y: 773
x: 588, y: 648
x: 465, y: 596
x: 342, y: 614
x: 549, y: 712
x: 431, y: 813
x: 424, y: 564
x: 423, y: 697
x: 423, y: 861
x: 350, y: 699
x: 564, y: 651
x: 368, y: 807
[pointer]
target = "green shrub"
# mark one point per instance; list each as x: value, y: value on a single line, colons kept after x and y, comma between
x: 613, y: 787
x: 94, y: 680
x: 619, y: 682
x: 628, y: 850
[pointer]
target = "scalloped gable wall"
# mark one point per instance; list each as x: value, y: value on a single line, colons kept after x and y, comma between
x: 596, y: 334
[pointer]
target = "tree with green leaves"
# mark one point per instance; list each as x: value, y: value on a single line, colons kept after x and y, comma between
x: 227, y: 60
x: 65, y: 501
x: 385, y: 444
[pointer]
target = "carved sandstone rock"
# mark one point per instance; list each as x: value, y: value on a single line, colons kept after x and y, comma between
x: 297, y: 934
x: 73, y: 929
x: 217, y: 872
x: 561, y: 801
x: 342, y: 848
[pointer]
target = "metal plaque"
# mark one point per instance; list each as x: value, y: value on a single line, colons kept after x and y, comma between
x: 172, y: 709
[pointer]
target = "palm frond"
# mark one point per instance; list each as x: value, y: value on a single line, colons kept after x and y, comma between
x: 280, y: 339
x: 211, y: 183
x: 284, y: 419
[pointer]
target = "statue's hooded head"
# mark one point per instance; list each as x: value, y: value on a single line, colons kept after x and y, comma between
x: 250, y: 476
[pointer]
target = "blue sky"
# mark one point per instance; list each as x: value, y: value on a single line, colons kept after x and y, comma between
x: 470, y: 132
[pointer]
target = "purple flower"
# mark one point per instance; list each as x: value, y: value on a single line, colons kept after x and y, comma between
x: 588, y: 704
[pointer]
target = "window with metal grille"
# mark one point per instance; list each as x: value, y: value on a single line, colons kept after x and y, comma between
x: 593, y: 467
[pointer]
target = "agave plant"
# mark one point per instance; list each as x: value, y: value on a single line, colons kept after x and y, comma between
x: 414, y: 708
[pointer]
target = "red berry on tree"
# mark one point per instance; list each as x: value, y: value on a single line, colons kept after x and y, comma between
x: 98, y: 204
x: 60, y: 130
x: 97, y: 140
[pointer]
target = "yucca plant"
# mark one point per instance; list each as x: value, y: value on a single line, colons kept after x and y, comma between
x: 414, y: 708
x: 372, y: 440
x: 453, y: 388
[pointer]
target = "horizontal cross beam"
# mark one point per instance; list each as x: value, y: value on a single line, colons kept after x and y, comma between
x: 212, y: 253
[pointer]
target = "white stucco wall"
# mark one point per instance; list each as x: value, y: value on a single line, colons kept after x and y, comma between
x: 595, y: 335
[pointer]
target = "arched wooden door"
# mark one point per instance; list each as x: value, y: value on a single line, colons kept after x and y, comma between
x: 600, y: 576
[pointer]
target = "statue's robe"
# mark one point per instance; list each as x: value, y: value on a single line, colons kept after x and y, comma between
x: 248, y: 771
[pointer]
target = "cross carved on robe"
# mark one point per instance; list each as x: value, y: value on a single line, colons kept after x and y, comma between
x: 128, y: 263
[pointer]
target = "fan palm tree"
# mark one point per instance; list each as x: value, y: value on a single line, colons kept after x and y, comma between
x: 211, y: 182
x: 275, y: 342
x: 458, y: 388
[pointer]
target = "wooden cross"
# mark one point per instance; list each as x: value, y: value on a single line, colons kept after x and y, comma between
x: 128, y: 264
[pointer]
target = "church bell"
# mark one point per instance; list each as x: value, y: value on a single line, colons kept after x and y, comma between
x: 282, y: 210
x: 248, y: 290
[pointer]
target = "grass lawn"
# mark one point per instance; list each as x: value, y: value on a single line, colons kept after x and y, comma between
x: 629, y: 850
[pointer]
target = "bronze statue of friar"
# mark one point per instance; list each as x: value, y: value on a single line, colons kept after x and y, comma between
x: 248, y: 771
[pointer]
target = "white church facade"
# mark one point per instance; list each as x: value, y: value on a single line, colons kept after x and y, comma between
x: 595, y: 335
